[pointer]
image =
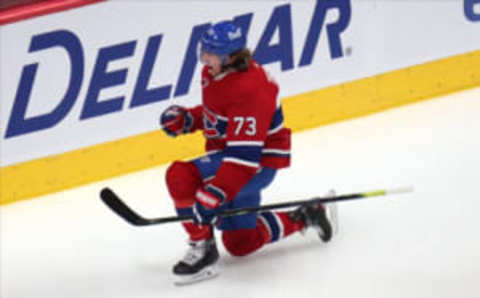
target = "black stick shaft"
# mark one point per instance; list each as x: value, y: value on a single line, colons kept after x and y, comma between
x: 121, y: 209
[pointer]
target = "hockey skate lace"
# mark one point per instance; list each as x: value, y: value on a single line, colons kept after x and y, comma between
x: 194, y: 253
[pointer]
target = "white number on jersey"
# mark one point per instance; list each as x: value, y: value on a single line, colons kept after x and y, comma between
x: 249, y: 123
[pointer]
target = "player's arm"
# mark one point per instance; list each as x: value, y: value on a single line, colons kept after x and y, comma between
x: 197, y: 114
x: 176, y: 120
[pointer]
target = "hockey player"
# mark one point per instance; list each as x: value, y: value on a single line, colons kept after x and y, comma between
x: 246, y: 143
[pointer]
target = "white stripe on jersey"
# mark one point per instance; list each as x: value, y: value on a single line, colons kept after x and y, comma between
x: 208, y: 178
x: 216, y: 189
x: 278, y: 151
x: 212, y: 152
x: 242, y: 162
x: 276, y: 129
x: 280, y: 226
x: 265, y: 223
x: 218, y: 116
x: 245, y: 143
x: 205, y: 199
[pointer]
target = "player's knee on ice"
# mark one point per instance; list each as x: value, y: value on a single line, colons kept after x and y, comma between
x: 242, y: 242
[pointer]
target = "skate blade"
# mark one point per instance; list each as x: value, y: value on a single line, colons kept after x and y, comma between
x: 204, y: 274
x: 332, y: 215
x: 332, y: 212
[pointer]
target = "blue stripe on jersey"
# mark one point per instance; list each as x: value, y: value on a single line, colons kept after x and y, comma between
x: 246, y: 153
x: 276, y: 154
x: 277, y: 119
x: 185, y: 211
x: 272, y: 225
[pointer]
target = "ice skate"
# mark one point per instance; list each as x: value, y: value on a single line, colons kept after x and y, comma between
x: 321, y: 217
x: 198, y: 264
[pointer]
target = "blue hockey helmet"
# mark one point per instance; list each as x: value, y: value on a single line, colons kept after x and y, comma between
x: 222, y: 39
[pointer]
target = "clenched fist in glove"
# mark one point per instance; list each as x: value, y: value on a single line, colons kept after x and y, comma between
x: 209, y: 202
x: 176, y: 120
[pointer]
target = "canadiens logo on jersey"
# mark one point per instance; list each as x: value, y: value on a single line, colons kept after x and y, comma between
x: 215, y: 126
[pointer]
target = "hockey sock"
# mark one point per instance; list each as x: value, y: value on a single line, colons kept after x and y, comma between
x: 279, y: 225
x: 196, y: 232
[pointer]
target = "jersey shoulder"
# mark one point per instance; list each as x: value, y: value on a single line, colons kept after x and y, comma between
x: 253, y: 80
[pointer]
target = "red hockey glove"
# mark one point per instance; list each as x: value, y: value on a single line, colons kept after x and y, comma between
x: 176, y: 120
x: 209, y: 202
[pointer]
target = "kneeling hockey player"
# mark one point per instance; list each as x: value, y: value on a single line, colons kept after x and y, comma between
x: 246, y: 143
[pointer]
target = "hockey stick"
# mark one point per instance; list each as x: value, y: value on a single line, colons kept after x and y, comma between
x: 121, y: 209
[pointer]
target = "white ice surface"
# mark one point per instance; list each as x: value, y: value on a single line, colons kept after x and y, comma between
x: 422, y: 244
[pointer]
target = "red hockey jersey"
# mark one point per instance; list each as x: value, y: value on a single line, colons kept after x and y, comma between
x: 241, y: 115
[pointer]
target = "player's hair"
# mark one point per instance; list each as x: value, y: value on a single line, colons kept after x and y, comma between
x: 241, y: 60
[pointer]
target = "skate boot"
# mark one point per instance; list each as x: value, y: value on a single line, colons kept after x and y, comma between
x: 198, y: 264
x: 321, y: 217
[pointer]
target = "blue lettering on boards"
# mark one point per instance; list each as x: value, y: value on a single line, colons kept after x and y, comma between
x: 280, y: 21
x: 141, y: 95
x: 102, y: 79
x: 283, y: 51
x: 190, y: 60
x: 333, y: 30
x: 18, y: 124
x: 469, y: 9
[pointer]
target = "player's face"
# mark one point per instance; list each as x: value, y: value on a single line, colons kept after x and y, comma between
x: 213, y: 62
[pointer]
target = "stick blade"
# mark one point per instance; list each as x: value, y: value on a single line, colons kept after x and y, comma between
x: 398, y: 190
x: 120, y: 208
